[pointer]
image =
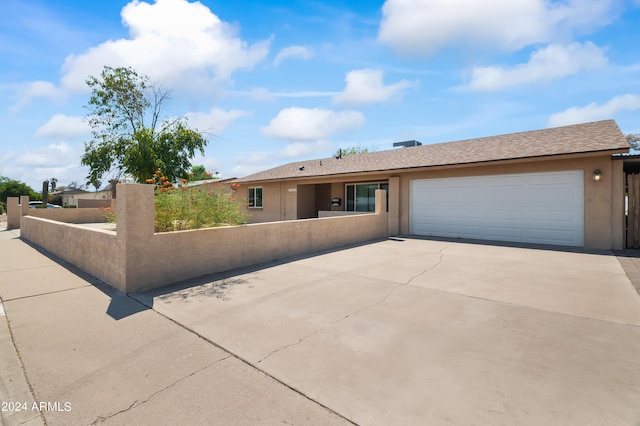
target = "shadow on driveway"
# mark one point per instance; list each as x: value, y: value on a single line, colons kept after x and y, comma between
x: 120, y: 306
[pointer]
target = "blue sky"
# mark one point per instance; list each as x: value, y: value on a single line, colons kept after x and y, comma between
x: 277, y: 81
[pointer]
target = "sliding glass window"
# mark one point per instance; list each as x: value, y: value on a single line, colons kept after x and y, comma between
x: 361, y: 197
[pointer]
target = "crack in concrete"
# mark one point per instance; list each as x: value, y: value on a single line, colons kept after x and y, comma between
x: 35, y: 416
x: 49, y: 293
x: 382, y: 300
x: 249, y: 363
x: 137, y: 403
x: 426, y: 270
x: 27, y: 269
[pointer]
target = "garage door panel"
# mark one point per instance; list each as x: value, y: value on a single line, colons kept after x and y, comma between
x: 464, y: 230
x: 504, y: 181
x: 560, y: 197
x: 514, y: 215
x: 555, y: 216
x: 552, y: 236
x: 533, y: 207
x: 501, y: 232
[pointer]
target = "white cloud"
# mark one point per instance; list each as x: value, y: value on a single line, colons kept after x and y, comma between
x: 36, y: 89
x: 422, y: 27
x: 303, y: 124
x: 61, y: 161
x: 552, y: 62
x: 293, y: 52
x: 63, y: 126
x: 366, y: 86
x: 263, y: 95
x: 304, y: 94
x: 52, y: 156
x: 260, y: 94
x: 214, y: 121
x: 255, y: 161
x: 595, y: 112
x: 300, y: 149
x: 172, y: 41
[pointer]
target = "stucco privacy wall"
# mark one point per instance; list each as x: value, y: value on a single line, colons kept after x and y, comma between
x: 86, y: 203
x: 603, y: 200
x: 87, y: 215
x: 166, y: 258
x: 134, y: 258
x: 94, y: 251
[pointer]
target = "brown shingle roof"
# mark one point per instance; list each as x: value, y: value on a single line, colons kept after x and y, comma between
x: 580, y: 138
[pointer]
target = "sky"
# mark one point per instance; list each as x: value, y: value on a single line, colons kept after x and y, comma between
x: 271, y: 82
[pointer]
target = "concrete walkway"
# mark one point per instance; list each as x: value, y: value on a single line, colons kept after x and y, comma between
x: 402, y: 331
x: 92, y: 355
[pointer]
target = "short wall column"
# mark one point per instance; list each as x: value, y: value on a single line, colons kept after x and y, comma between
x: 13, y: 213
x: 394, y: 205
x: 134, y: 227
x: 24, y: 205
x: 381, y: 207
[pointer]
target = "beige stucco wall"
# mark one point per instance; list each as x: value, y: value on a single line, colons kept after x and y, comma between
x: 94, y: 251
x: 89, y: 203
x: 199, y: 252
x: 13, y: 213
x: 134, y: 258
x: 276, y: 205
x: 87, y: 215
x: 603, y: 201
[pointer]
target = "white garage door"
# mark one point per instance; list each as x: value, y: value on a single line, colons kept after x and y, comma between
x: 546, y: 208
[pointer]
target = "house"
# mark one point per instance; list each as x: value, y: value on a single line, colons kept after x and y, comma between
x: 561, y: 186
x: 71, y: 197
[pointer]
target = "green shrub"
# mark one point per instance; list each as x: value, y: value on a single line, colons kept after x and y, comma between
x: 185, y: 208
x: 193, y: 208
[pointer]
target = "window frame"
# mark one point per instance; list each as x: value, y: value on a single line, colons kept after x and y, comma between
x: 252, y: 201
x: 355, y: 184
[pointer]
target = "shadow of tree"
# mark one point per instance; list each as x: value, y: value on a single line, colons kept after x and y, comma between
x: 219, y: 289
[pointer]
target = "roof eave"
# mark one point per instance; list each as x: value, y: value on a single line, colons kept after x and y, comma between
x: 446, y: 165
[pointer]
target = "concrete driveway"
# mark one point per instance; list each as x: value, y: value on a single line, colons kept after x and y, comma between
x: 412, y: 331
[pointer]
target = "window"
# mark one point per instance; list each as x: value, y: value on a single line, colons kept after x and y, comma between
x: 255, y: 198
x: 361, y: 197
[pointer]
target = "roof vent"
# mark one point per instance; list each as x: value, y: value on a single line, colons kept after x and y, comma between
x: 406, y: 144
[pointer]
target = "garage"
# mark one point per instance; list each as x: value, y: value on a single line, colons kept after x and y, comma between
x: 543, y: 208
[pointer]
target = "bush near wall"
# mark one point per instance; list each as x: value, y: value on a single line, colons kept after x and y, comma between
x: 185, y: 207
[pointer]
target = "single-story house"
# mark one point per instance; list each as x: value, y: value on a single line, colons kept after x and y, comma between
x: 561, y: 186
x: 70, y: 197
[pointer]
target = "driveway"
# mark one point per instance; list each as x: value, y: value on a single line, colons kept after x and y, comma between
x: 413, y: 331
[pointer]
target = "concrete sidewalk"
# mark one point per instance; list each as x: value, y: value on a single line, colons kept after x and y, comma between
x: 74, y: 351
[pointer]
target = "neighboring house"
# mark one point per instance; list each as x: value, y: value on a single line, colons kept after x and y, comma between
x: 210, y: 183
x: 561, y: 186
x: 71, y: 196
